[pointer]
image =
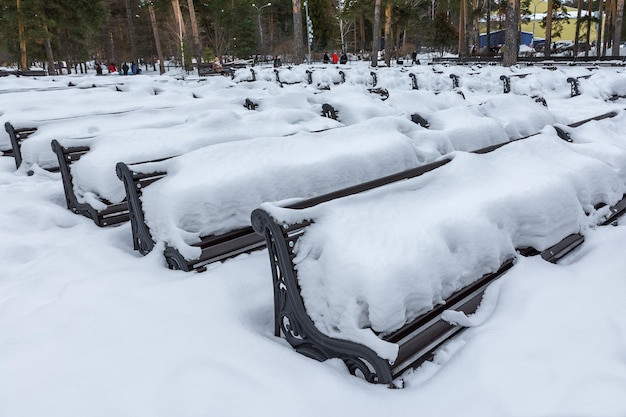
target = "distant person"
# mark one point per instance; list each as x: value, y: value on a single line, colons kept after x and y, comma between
x: 414, y: 56
x: 133, y: 68
x: 98, y: 69
x: 344, y: 58
x: 326, y: 58
x: 335, y: 58
x: 125, y: 68
x: 112, y: 68
x: 217, y: 65
x: 277, y: 61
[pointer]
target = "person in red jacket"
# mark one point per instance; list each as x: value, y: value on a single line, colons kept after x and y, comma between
x: 335, y: 58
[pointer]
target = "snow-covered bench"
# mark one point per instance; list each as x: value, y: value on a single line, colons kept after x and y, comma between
x: 103, y: 213
x: 368, y: 274
x: 213, y: 247
x: 87, y: 166
x: 201, y: 207
x: 506, y: 81
x: 17, y: 136
x: 575, y: 84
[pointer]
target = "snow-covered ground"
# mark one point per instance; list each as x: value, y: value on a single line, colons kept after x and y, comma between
x: 90, y: 327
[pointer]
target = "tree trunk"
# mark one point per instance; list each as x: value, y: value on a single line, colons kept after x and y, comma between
x: 608, y: 24
x: 20, y: 31
x: 181, y: 30
x: 617, y: 27
x: 362, y: 34
x: 588, y: 38
x: 599, y: 39
x: 488, y: 44
x: 49, y: 55
x: 131, y: 31
x: 462, y: 18
x: 157, y: 40
x: 388, y: 10
x: 511, y: 42
x: 298, y: 47
x: 577, y: 31
x: 548, y: 43
x: 376, y: 40
x: 475, y: 28
x: 197, y: 46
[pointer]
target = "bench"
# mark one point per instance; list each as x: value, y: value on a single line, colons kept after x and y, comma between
x: 414, y: 84
x: 575, y: 84
x: 214, y: 247
x: 382, y: 92
x: 280, y: 82
x: 455, y: 81
x: 205, y: 70
x: 17, y: 136
x: 563, y: 134
x: 238, y: 237
x: 506, y: 81
x: 32, y: 73
x: 113, y: 214
x: 329, y: 111
x: 374, y: 78
x: 283, y: 225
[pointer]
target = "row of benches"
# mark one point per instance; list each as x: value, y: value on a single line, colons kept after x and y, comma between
x: 417, y: 340
x: 214, y: 247
x: 455, y: 78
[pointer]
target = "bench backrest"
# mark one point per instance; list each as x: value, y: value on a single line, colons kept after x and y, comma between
x: 17, y: 136
x: 113, y: 214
